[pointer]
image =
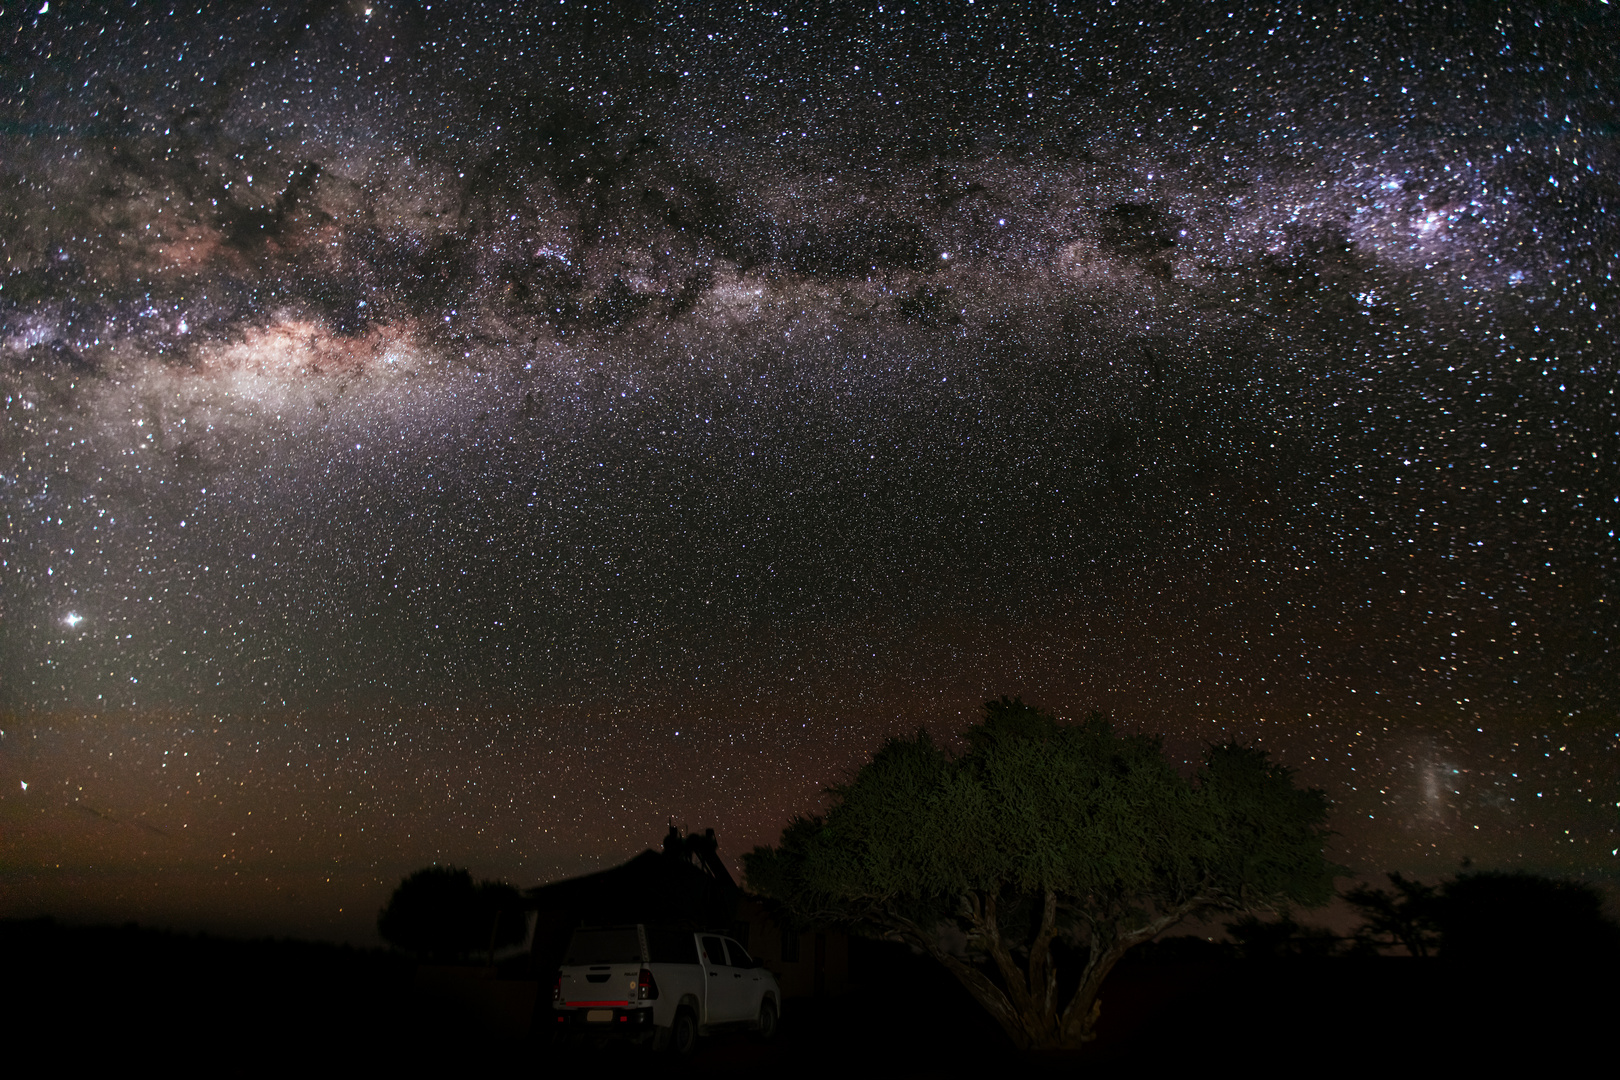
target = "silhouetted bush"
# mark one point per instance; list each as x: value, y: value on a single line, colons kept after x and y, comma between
x: 441, y: 916
x: 1513, y: 918
x: 1274, y: 939
x: 1490, y: 917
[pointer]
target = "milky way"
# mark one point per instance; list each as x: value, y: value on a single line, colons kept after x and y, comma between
x: 446, y: 432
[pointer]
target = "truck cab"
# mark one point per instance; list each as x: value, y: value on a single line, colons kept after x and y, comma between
x: 662, y: 985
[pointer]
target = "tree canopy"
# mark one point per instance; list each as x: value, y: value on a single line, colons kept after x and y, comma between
x: 1041, y: 833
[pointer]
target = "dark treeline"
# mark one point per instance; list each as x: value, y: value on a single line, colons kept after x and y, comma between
x: 438, y: 915
x: 1183, y: 1002
x: 94, y: 991
x: 1494, y: 918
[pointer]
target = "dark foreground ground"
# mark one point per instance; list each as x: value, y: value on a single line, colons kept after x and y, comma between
x: 83, y: 995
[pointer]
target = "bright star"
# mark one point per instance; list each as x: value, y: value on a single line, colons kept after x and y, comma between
x: 73, y: 619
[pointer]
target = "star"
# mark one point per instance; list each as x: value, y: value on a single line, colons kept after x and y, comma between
x: 439, y: 443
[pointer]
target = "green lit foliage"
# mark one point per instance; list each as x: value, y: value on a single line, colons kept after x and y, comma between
x: 1041, y: 833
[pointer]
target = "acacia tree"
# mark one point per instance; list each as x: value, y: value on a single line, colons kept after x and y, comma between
x: 1042, y: 832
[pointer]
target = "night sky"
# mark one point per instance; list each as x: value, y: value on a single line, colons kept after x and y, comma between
x: 483, y: 434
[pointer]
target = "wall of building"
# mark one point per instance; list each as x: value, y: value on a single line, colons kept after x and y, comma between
x: 811, y: 963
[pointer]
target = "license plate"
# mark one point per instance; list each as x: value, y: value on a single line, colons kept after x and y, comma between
x: 599, y: 1016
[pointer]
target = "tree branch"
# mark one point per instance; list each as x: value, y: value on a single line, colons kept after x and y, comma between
x: 984, y: 990
x: 1078, y: 1022
x: 1164, y: 922
x: 1017, y: 988
x: 1042, y: 972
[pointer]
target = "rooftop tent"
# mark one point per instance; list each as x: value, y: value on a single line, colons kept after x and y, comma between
x: 685, y: 883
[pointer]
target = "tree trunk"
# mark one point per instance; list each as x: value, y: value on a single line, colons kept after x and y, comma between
x: 1078, y: 1024
x: 987, y: 994
x: 1026, y: 1005
x: 1037, y: 1025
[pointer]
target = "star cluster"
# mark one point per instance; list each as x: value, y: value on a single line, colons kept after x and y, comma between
x: 475, y: 433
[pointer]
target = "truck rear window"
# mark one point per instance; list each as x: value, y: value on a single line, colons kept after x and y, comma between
x: 619, y: 945
x: 671, y: 946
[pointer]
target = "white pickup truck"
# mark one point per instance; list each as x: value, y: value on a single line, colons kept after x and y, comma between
x: 661, y: 985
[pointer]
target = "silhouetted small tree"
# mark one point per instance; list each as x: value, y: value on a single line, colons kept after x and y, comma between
x: 1407, y: 916
x: 439, y: 915
x: 1043, y: 833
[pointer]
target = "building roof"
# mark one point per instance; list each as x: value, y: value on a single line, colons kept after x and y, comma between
x: 684, y: 883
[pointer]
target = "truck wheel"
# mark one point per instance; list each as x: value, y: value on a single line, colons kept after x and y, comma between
x: 557, y: 1040
x: 683, y: 1034
x: 767, y: 1021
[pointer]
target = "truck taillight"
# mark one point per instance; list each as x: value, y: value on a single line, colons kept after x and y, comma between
x: 556, y: 989
x: 646, y: 986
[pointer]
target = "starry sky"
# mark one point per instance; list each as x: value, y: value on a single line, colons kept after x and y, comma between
x: 484, y: 433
